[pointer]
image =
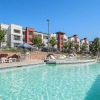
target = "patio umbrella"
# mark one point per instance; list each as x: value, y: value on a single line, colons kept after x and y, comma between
x: 25, y: 45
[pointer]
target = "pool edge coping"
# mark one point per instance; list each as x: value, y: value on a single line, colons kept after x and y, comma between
x: 19, y: 66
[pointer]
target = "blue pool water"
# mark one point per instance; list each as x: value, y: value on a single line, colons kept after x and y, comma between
x: 51, y: 82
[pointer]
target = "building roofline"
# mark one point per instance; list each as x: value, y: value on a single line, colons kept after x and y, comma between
x: 40, y: 32
x: 60, y: 32
x: 30, y: 28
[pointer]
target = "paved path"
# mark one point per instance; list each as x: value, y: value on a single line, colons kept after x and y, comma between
x: 22, y: 63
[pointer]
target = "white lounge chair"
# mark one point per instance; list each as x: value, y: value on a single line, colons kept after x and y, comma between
x: 9, y: 60
x: 62, y: 57
x: 6, y: 60
x: 52, y: 57
x: 3, y: 60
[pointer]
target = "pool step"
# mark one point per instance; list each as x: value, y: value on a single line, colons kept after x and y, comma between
x: 51, y: 62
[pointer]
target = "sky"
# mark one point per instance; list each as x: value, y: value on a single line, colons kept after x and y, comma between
x: 81, y: 17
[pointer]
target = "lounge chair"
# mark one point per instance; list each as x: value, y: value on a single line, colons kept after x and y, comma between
x: 62, y: 57
x: 72, y: 56
x: 9, y: 60
x: 15, y: 58
x: 3, y: 60
x: 52, y: 57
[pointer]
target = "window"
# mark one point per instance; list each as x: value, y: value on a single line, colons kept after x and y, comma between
x: 65, y: 39
x: 39, y: 35
x: 16, y: 31
x: 23, y: 33
x: 16, y: 37
x: 30, y: 33
x: 45, y: 37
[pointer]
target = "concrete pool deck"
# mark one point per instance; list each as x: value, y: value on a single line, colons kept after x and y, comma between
x: 21, y: 63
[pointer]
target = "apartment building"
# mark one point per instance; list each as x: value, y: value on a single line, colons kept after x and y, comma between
x: 85, y: 42
x: 40, y: 34
x: 65, y: 38
x: 45, y: 39
x: 75, y: 40
x: 13, y: 35
x: 28, y: 34
x: 16, y: 35
x: 60, y: 38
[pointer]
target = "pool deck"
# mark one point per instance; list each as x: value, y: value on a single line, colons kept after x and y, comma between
x: 21, y: 63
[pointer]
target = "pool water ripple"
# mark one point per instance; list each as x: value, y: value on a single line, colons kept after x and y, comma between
x: 49, y: 82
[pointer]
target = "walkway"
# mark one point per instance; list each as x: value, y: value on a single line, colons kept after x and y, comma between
x: 22, y: 63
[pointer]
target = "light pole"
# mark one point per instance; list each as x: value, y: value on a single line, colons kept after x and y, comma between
x: 48, y: 33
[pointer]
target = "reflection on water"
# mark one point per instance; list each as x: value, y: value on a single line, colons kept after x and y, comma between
x: 51, y: 82
x: 94, y: 92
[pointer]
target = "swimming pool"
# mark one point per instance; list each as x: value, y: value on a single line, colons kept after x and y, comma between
x: 51, y: 82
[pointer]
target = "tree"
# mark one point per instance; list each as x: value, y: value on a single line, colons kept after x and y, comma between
x: 36, y: 40
x: 65, y: 45
x: 2, y: 35
x: 42, y: 44
x: 91, y: 48
x: 70, y: 45
x: 83, y: 47
x: 95, y: 46
x: 53, y: 41
x: 76, y: 47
